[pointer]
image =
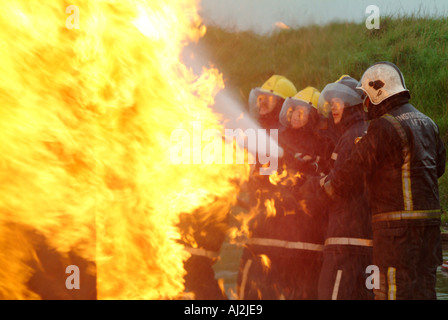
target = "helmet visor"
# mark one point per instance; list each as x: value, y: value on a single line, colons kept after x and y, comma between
x: 294, y: 113
x: 349, y: 96
x: 323, y: 107
x: 262, y: 102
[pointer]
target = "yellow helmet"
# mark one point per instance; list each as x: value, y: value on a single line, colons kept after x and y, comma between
x: 295, y: 110
x: 279, y: 85
x: 309, y: 95
x: 271, y: 95
x: 342, y: 77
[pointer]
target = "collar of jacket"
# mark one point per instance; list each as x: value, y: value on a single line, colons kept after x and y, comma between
x: 271, y: 119
x: 349, y: 117
x: 387, y: 105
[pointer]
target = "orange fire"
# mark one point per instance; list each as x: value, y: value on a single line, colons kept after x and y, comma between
x: 85, y: 126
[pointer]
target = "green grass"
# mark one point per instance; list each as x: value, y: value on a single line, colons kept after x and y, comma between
x: 317, y: 55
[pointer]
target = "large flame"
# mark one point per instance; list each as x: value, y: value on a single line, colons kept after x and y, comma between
x: 85, y: 125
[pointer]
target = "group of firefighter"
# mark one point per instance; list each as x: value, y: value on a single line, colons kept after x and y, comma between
x: 357, y: 216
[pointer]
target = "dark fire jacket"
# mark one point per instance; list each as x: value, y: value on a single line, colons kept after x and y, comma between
x: 403, y: 157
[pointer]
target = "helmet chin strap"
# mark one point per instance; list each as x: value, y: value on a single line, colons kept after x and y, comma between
x: 366, y: 104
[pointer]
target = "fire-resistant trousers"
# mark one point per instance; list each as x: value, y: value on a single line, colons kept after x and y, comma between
x: 407, y: 258
x: 283, y: 277
x: 343, y: 275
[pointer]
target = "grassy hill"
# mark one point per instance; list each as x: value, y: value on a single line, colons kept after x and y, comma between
x: 317, y: 55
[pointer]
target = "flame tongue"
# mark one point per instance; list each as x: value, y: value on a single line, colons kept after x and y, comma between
x: 85, y: 128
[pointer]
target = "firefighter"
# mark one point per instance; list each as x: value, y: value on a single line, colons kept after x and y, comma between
x: 348, y: 244
x: 403, y: 156
x: 202, y: 233
x: 257, y: 277
x: 269, y: 267
x: 308, y: 222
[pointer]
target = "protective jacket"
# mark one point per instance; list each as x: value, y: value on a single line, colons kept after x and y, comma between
x: 305, y: 141
x: 402, y: 168
x: 286, y: 220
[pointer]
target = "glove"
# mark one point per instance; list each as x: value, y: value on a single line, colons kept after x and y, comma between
x: 307, y: 162
x: 327, y: 187
x: 303, y: 157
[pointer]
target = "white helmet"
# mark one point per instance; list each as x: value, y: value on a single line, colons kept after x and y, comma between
x: 381, y: 81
